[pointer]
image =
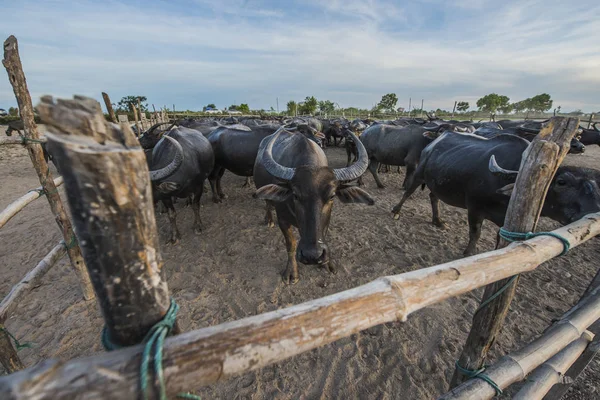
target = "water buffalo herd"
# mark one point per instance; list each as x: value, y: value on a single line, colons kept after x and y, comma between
x: 470, y: 165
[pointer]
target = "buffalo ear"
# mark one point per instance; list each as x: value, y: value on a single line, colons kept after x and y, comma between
x: 354, y: 194
x: 431, y: 134
x: 273, y: 192
x: 506, y: 190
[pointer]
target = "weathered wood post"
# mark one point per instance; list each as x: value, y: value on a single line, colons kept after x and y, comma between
x: 110, y: 196
x: 8, y: 355
x: 135, y: 116
x: 538, y: 166
x: 454, y: 109
x: 16, y: 76
x: 590, y: 121
x: 139, y: 106
x: 109, y: 109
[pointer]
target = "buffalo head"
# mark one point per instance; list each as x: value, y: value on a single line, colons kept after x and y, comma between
x: 310, y: 191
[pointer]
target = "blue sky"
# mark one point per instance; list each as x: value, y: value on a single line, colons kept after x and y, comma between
x: 196, y: 52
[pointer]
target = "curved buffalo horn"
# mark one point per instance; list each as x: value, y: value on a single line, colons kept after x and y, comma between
x: 358, y: 168
x: 153, y: 127
x: 429, y: 116
x: 272, y: 166
x: 173, y: 165
x: 595, y: 126
x: 499, y: 171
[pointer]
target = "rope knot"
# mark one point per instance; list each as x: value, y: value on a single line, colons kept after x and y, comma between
x: 478, y: 374
x: 520, y: 236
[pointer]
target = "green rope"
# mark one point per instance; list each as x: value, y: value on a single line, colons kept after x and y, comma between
x: 519, y: 236
x: 498, y: 293
x: 153, y: 353
x: 18, y: 345
x: 469, y: 373
x: 72, y: 243
x: 25, y: 140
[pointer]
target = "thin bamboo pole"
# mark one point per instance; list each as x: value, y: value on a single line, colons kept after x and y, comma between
x: 31, y: 280
x: 13, y: 208
x: 516, y: 366
x: 8, y: 140
x: 204, y: 356
x: 12, y: 63
x: 540, y: 381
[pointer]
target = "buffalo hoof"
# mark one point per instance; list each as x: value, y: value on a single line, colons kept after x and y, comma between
x: 381, y: 186
x: 197, y: 230
x: 289, y: 279
x: 217, y: 200
x: 331, y: 267
x: 440, y: 224
x: 222, y: 195
x: 396, y: 216
x: 172, y: 241
x: 270, y: 224
x: 469, y: 252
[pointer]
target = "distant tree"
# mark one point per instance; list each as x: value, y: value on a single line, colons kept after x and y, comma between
x: 309, y: 106
x: 292, y: 107
x: 506, y: 108
x: 541, y: 102
x: 126, y: 102
x: 519, y: 106
x: 206, y: 107
x: 492, y: 102
x: 13, y: 111
x: 576, y: 112
x: 233, y: 107
x: 388, y: 102
x: 243, y: 108
x: 558, y: 109
x: 326, y: 106
x: 462, y: 106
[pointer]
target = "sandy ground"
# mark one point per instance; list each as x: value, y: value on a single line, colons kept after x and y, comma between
x: 233, y: 270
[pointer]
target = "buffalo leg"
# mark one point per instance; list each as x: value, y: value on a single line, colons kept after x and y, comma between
x: 373, y: 165
x: 405, y: 196
x: 248, y: 182
x: 269, y: 214
x: 349, y: 154
x: 475, y: 222
x: 410, y: 171
x: 219, y: 189
x: 212, y: 178
x: 290, y: 275
x: 174, y: 235
x: 196, y: 209
x: 435, y: 211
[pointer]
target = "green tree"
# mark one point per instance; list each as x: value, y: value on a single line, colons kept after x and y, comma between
x: 492, y: 102
x: 292, y: 107
x: 462, y: 106
x: 243, y: 108
x: 206, y: 107
x: 326, y: 106
x: 309, y: 106
x: 126, y: 102
x: 13, y: 111
x: 388, y: 102
x: 519, y: 106
x: 541, y: 102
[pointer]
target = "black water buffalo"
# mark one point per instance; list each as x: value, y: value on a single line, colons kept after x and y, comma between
x: 461, y: 170
x: 401, y: 146
x: 334, y: 129
x: 590, y: 136
x: 291, y: 172
x: 355, y: 127
x: 235, y: 149
x: 19, y: 127
x: 181, y: 162
x: 529, y: 129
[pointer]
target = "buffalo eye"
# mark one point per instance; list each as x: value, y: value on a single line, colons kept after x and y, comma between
x: 561, y: 182
x: 332, y: 196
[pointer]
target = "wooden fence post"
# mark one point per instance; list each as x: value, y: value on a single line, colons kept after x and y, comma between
x: 12, y: 63
x: 8, y: 355
x: 109, y: 109
x: 139, y: 106
x: 538, y: 166
x: 109, y: 193
x: 590, y: 121
x: 135, y: 116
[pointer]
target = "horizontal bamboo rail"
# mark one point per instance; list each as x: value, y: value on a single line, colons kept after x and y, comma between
x: 6, y: 140
x: 13, y: 208
x: 552, y: 371
x: 207, y: 355
x: 516, y: 366
x: 31, y: 280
